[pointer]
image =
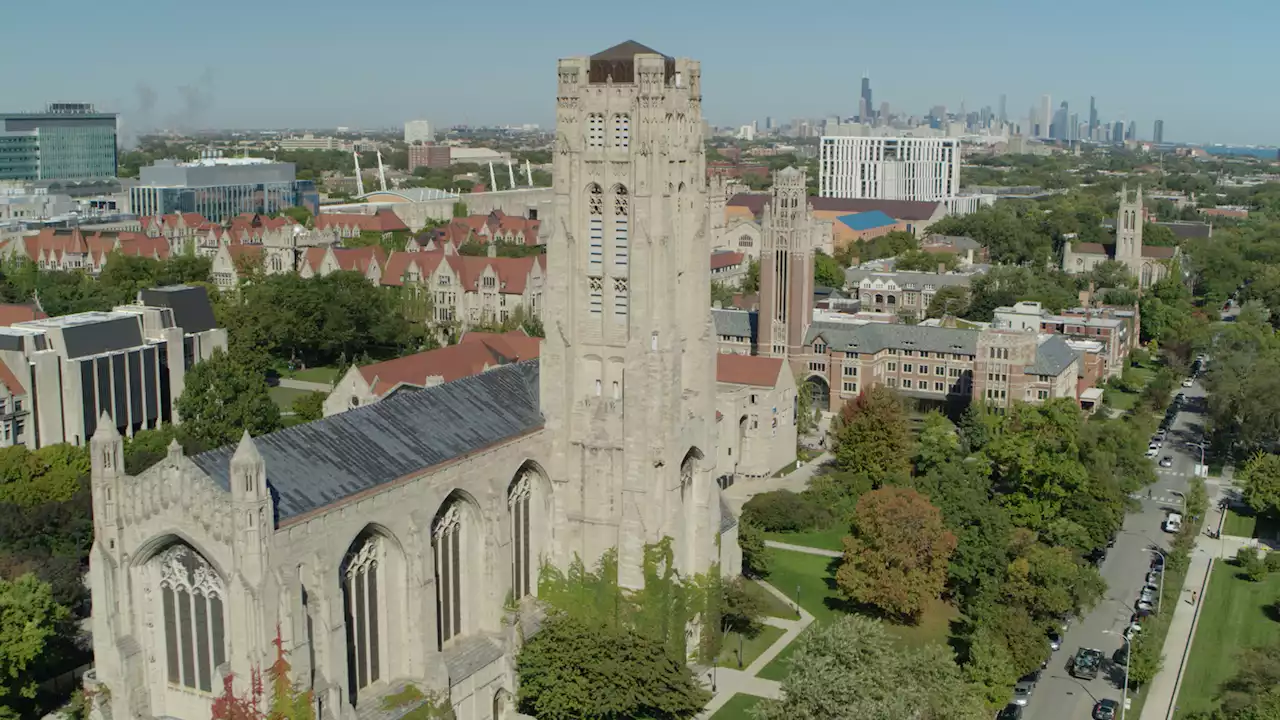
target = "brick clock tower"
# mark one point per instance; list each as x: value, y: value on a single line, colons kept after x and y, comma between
x: 627, y: 367
x: 786, y: 267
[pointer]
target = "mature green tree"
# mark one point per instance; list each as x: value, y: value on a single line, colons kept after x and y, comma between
x: 722, y: 294
x: 950, y: 300
x: 897, y: 554
x: 1261, y: 481
x: 826, y: 271
x: 921, y: 261
x: 1005, y: 285
x: 804, y: 407
x: 742, y: 606
x: 755, y: 556
x: 751, y: 283
x: 887, y: 245
x: 1112, y: 274
x: 990, y: 667
x: 1035, y: 459
x: 850, y: 669
x: 148, y: 447
x: 223, y: 398
x: 961, y: 488
x: 1050, y: 582
x: 574, y: 669
x: 1257, y: 676
x: 1145, y: 659
x: 28, y: 622
x: 873, y: 436
x: 309, y: 407
x: 938, y: 442
x: 51, y: 474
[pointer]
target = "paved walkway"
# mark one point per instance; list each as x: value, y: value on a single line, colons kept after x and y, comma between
x: 803, y: 549
x: 743, y: 490
x: 305, y: 385
x: 1163, y: 691
x: 729, y: 682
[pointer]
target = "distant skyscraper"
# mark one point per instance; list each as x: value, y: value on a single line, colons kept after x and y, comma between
x: 1157, y: 133
x: 866, y: 96
x: 1093, y: 116
x: 1073, y: 128
x: 418, y: 131
x: 1117, y: 133
x: 884, y: 112
x: 1058, y: 128
x: 1132, y: 134
x: 1004, y: 115
x: 1046, y: 115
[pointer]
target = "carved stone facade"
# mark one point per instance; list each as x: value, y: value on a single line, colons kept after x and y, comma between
x: 1148, y: 263
x: 384, y: 543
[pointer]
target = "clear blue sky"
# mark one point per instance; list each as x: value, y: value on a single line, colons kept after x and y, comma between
x: 322, y: 63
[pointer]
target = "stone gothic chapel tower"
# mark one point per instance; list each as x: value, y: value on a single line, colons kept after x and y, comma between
x: 628, y: 380
x: 786, y: 267
x: 1129, y: 220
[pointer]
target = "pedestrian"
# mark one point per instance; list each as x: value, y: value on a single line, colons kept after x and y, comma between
x: 1194, y: 595
x: 1148, y: 493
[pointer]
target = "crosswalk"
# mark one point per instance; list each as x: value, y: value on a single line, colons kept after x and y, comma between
x: 1172, y: 473
x: 1163, y: 499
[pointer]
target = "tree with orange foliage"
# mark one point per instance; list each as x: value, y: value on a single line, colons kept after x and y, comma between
x: 896, y: 558
x: 229, y: 706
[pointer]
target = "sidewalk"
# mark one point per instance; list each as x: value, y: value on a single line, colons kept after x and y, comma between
x: 730, y: 682
x: 743, y: 490
x: 1163, y: 691
x: 802, y: 549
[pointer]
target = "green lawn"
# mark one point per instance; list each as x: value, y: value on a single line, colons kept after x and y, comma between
x: 1244, y: 523
x: 751, y: 646
x: 738, y: 707
x: 322, y: 374
x: 814, y: 575
x: 1236, y: 616
x: 1120, y: 400
x: 829, y: 539
x: 284, y: 397
x: 774, y: 606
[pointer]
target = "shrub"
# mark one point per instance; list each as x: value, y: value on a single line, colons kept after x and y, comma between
x: 1273, y: 561
x: 1250, y: 564
x: 784, y: 511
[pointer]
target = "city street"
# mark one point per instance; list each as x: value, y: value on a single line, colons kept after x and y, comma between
x: 1059, y: 696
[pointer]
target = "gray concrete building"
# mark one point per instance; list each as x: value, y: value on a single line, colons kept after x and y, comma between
x: 127, y: 365
x: 66, y: 141
x: 220, y: 188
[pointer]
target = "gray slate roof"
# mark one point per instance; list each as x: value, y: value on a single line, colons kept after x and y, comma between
x: 322, y: 462
x: 874, y: 337
x: 738, y: 323
x: 468, y: 656
x: 1052, y: 357
x: 916, y: 280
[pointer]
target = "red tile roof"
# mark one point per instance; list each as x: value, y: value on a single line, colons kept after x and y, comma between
x: 10, y: 381
x: 10, y: 314
x: 381, y: 221
x: 484, y: 351
x: 725, y: 259
x: 748, y: 370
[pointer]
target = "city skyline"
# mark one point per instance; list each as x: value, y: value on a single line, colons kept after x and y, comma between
x: 786, y: 67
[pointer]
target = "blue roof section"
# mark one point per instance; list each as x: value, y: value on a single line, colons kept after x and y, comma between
x: 320, y: 463
x: 867, y: 220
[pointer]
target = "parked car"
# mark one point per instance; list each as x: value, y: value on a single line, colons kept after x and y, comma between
x: 1121, y: 656
x: 1105, y: 709
x: 1173, y: 523
x: 1166, y: 461
x: 1055, y: 640
x: 1022, y: 691
x: 1157, y: 563
x: 1012, y: 711
x: 1152, y: 452
x: 1188, y: 382
x: 1144, y: 606
x: 1153, y: 578
x: 1141, y: 613
x: 1133, y: 630
x: 1147, y: 596
x: 1085, y: 664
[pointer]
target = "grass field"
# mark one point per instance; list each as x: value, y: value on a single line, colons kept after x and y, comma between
x: 774, y: 606
x: 1237, y: 615
x: 738, y: 707
x: 1244, y: 523
x: 829, y: 539
x: 751, y: 646
x: 322, y: 374
x: 284, y: 397
x: 814, y: 575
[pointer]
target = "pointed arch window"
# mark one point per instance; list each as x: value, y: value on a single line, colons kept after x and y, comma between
x: 361, y: 596
x: 622, y: 131
x: 447, y: 538
x: 595, y: 226
x: 521, y: 535
x: 595, y: 130
x: 621, y: 218
x: 194, y: 627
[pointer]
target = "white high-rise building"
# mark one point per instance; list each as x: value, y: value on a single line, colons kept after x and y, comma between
x: 418, y: 131
x: 889, y: 168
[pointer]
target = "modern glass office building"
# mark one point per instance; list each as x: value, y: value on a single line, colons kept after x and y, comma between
x: 65, y: 142
x: 219, y: 188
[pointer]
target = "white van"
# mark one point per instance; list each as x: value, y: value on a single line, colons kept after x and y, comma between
x: 1173, y: 523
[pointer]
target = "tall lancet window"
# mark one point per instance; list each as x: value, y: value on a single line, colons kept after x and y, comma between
x: 595, y: 130
x: 621, y: 217
x: 621, y: 131
x: 194, y: 640
x: 361, y: 585
x: 595, y: 228
x: 521, y: 556
x: 448, y: 539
